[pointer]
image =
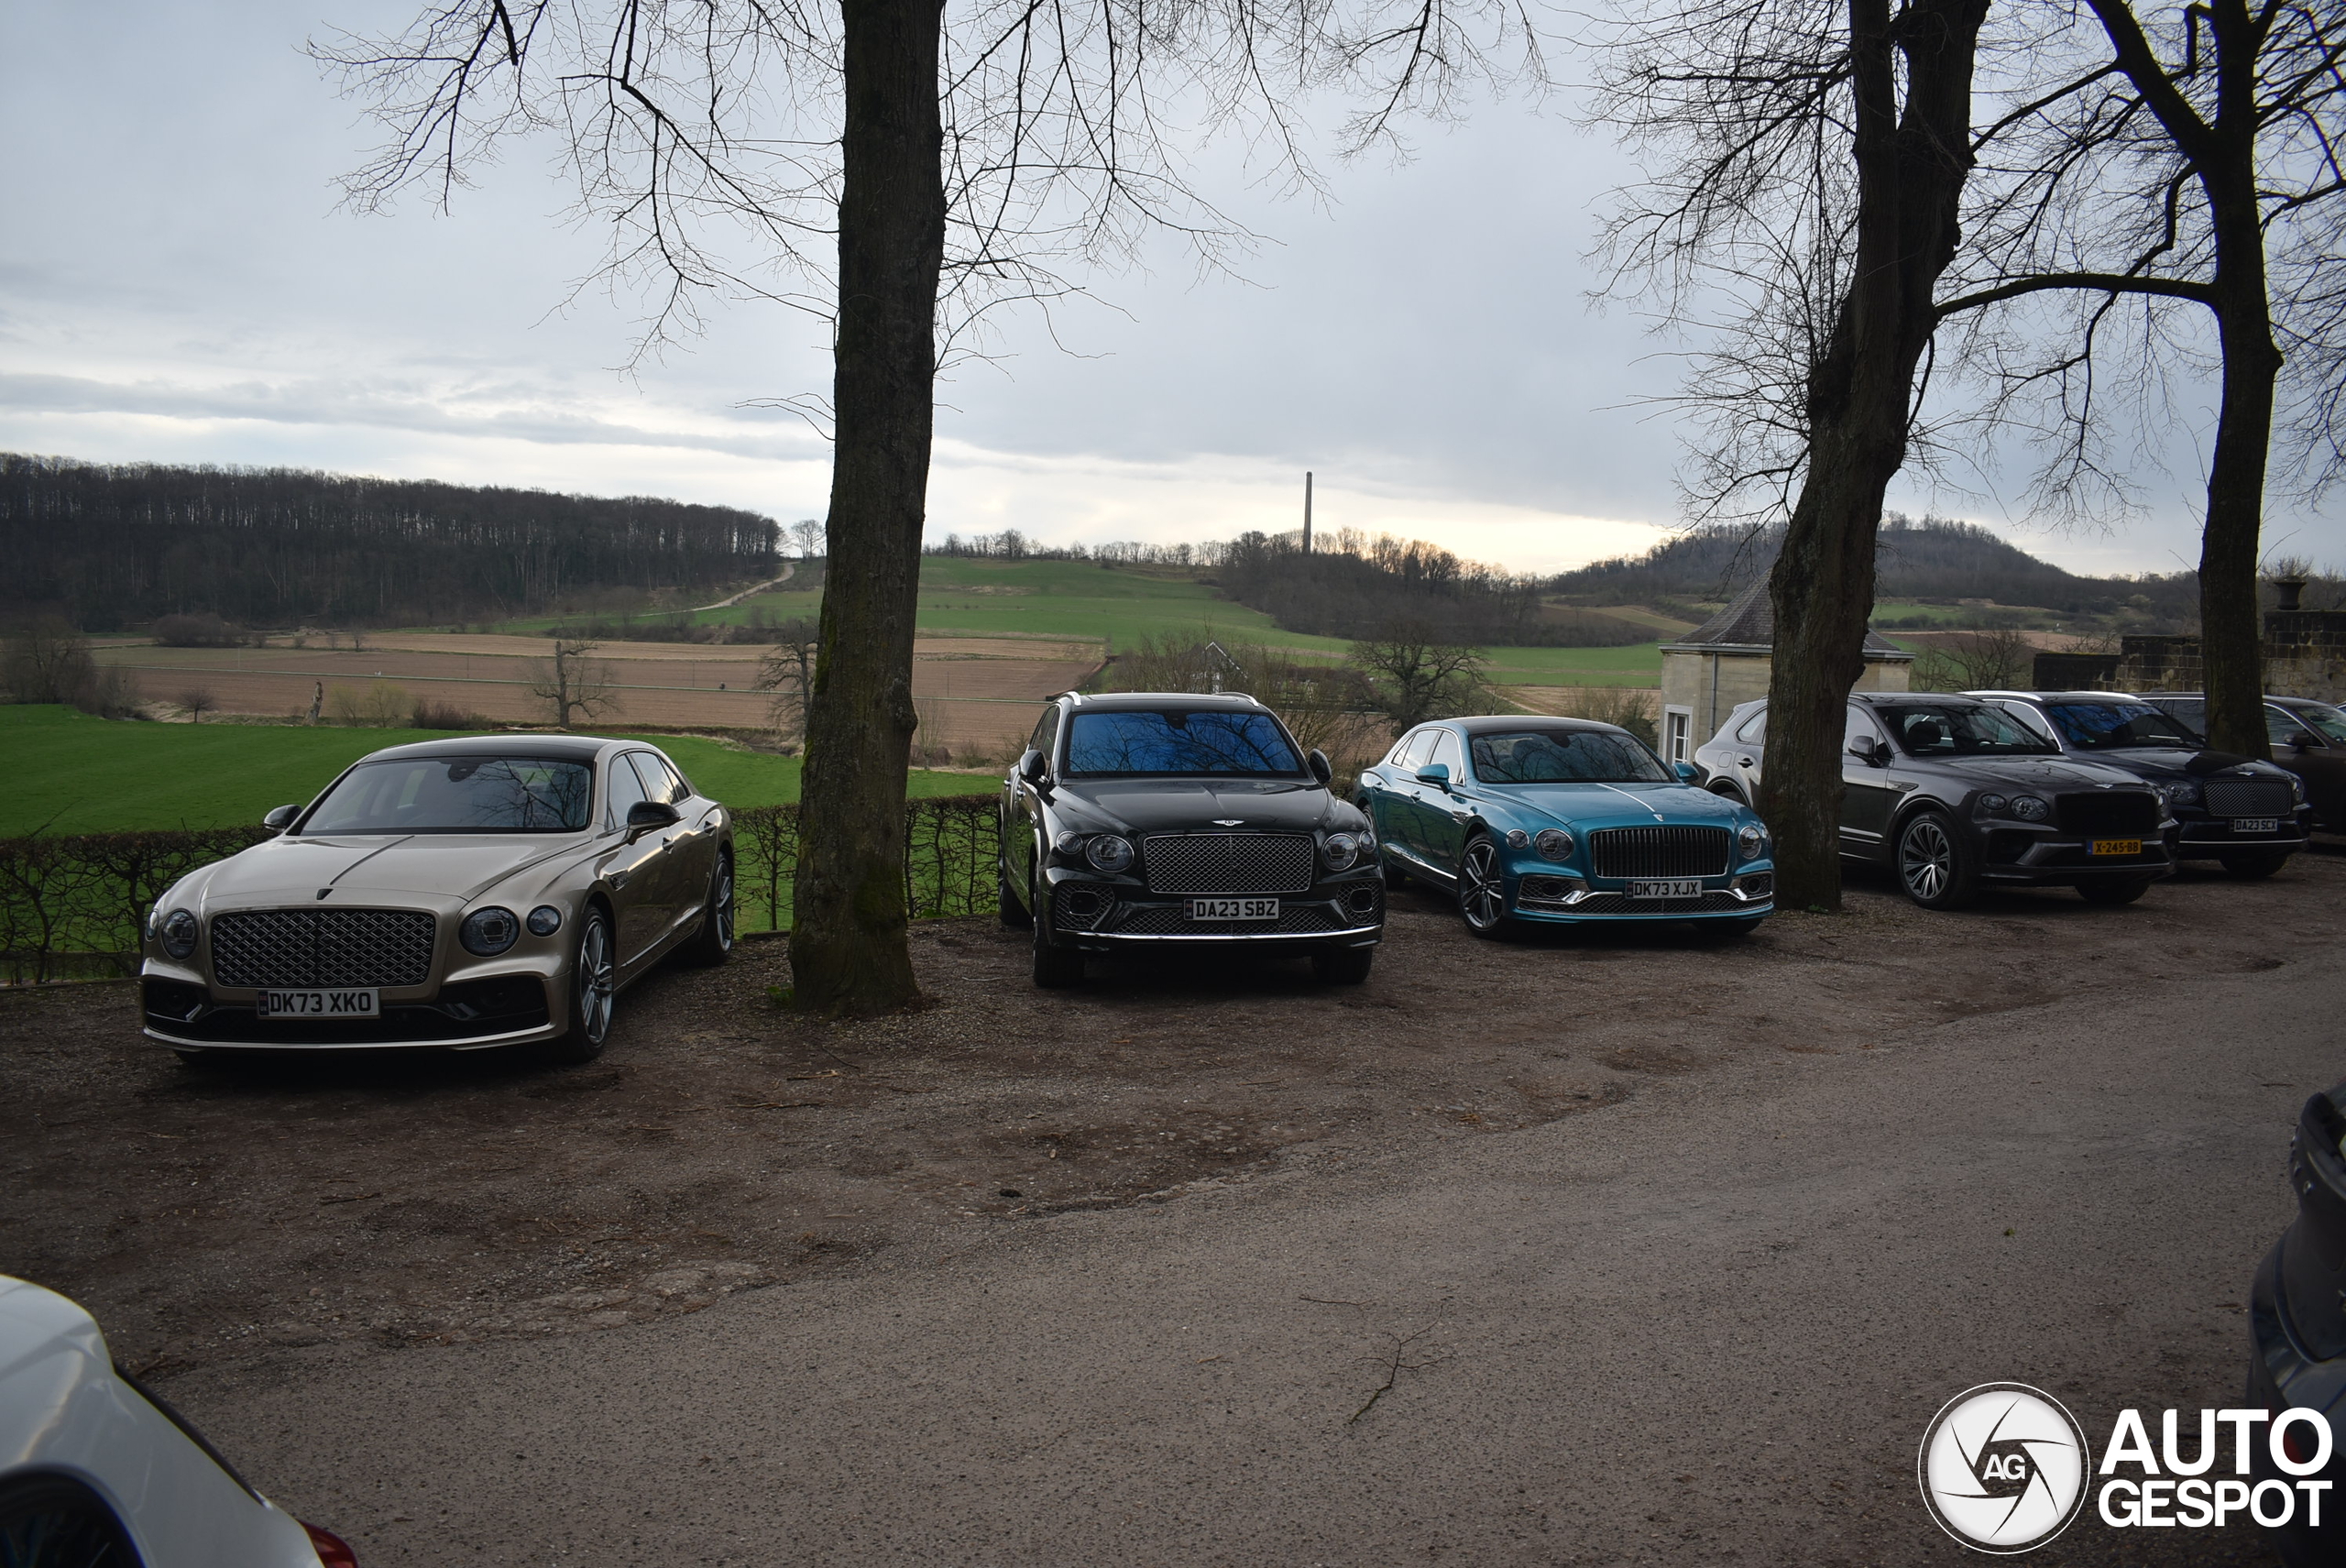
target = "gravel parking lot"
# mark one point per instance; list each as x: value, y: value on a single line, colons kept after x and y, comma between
x: 722, y: 1145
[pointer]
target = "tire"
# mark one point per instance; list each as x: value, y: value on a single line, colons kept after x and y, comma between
x: 713, y: 943
x: 2125, y: 892
x: 2253, y: 867
x: 594, y: 978
x: 48, y: 1521
x: 1935, y: 862
x: 1014, y: 915
x: 1481, y: 890
x: 1345, y: 966
x: 1056, y: 968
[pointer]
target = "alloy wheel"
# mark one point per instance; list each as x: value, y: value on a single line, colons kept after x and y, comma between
x: 594, y: 979
x: 1927, y: 860
x: 1481, y: 896
x: 721, y: 904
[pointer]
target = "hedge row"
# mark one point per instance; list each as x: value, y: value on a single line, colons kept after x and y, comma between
x: 72, y: 905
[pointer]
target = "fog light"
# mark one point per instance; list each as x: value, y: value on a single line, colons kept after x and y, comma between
x: 179, y: 934
x: 544, y: 920
x: 488, y: 932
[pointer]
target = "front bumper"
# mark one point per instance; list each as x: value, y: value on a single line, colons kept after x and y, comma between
x: 1100, y: 916
x: 467, y: 1014
x: 2026, y: 855
x: 1559, y: 895
x: 2211, y: 838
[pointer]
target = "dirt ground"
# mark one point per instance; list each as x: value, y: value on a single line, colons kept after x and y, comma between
x: 722, y: 1144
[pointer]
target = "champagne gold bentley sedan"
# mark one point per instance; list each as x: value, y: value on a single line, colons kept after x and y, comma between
x: 489, y: 891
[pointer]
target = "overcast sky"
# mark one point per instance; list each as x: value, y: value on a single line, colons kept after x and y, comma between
x: 177, y: 283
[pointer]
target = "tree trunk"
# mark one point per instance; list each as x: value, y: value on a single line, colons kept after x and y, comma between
x: 2228, y: 542
x: 849, y: 948
x: 1911, y: 170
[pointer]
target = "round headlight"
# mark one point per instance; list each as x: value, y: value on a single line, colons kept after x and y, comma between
x: 1340, y: 852
x: 1516, y: 838
x: 1752, y: 840
x: 1108, y: 853
x: 1069, y: 842
x: 1554, y: 843
x: 179, y: 934
x: 1994, y: 805
x: 544, y: 920
x: 2028, y: 809
x: 488, y: 932
x: 2182, y: 792
x: 2297, y: 789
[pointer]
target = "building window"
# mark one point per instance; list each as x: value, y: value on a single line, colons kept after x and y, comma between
x: 1677, y: 727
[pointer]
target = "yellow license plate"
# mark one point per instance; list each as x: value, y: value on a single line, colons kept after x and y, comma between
x: 2117, y: 845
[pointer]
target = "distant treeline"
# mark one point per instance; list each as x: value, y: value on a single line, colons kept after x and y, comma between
x: 1931, y: 559
x: 1357, y: 587
x: 115, y: 545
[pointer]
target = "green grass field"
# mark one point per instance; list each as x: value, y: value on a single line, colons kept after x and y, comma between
x: 80, y: 774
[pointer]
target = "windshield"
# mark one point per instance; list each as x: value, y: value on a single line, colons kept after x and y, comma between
x: 2104, y: 725
x: 457, y: 794
x: 1952, y: 729
x: 1563, y: 756
x: 1218, y: 741
x: 2321, y: 717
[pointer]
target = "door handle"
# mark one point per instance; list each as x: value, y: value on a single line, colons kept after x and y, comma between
x: 1743, y: 761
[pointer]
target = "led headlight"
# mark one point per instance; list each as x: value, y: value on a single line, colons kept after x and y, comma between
x: 1108, y: 853
x: 2028, y: 809
x: 1340, y: 852
x: 1993, y: 805
x: 2297, y: 789
x: 1752, y: 840
x: 1516, y: 838
x: 179, y: 934
x: 2182, y: 792
x: 544, y: 920
x: 1553, y: 843
x: 1069, y: 842
x: 488, y: 932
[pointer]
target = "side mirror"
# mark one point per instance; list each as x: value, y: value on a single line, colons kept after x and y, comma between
x: 650, y: 817
x: 2301, y: 741
x: 1874, y: 752
x: 1033, y: 767
x: 1687, y: 772
x: 282, y: 818
x: 1321, y: 769
x: 1436, y: 774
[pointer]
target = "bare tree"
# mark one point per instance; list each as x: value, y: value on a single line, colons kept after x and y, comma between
x: 963, y: 156
x: 574, y: 684
x: 788, y: 671
x: 807, y: 534
x: 2000, y: 658
x: 1811, y: 156
x: 1419, y: 675
x: 197, y: 701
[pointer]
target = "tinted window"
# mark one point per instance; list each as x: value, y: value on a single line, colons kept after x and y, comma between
x: 2328, y: 721
x: 2281, y: 726
x: 1413, y: 750
x: 1216, y: 741
x: 2192, y: 716
x: 625, y: 791
x: 457, y: 794
x: 1956, y: 730
x: 661, y: 782
x: 1563, y: 756
x: 1445, y: 752
x: 2099, y: 725
x: 1046, y: 730
x: 1754, y: 729
x: 1860, y: 728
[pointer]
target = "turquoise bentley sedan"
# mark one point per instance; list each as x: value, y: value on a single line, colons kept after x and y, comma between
x: 1561, y: 821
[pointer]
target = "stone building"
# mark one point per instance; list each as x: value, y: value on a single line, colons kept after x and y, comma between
x: 1725, y: 660
x: 2305, y: 656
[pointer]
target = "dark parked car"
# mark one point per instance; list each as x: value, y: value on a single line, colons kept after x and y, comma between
x: 1563, y: 822
x: 2296, y: 1322
x: 1955, y: 795
x: 2249, y: 816
x: 2308, y: 740
x: 1142, y: 820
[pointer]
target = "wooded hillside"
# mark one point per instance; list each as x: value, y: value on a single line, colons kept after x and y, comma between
x: 123, y: 544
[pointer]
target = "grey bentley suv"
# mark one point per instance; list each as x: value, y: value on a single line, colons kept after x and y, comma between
x: 1150, y: 821
x: 1955, y: 795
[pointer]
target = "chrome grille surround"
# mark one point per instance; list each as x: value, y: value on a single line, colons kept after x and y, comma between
x: 2248, y: 797
x: 322, y: 947
x: 1659, y: 851
x: 1173, y: 920
x: 1229, y: 862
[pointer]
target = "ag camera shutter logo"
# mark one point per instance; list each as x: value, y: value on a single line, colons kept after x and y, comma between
x: 2003, y: 1468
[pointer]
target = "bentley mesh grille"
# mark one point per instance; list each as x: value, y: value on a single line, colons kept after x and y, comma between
x: 1228, y: 862
x: 1173, y: 920
x: 2120, y: 813
x: 2248, y: 797
x: 1658, y: 851
x: 322, y: 947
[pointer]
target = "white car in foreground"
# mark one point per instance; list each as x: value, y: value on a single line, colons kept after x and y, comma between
x: 96, y: 1472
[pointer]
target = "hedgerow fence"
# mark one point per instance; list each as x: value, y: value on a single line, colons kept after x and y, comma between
x: 71, y: 905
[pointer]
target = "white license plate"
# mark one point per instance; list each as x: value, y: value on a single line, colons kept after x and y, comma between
x: 1689, y: 888
x: 338, y: 1003
x: 1233, y: 909
x: 2256, y: 825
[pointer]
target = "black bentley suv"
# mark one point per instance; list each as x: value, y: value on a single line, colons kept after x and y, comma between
x: 1956, y: 795
x: 2243, y: 813
x: 1153, y: 820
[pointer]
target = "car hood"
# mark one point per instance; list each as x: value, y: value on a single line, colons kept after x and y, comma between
x: 1188, y: 806
x: 436, y: 867
x: 2049, y: 773
x: 1620, y: 806
x: 2165, y: 763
